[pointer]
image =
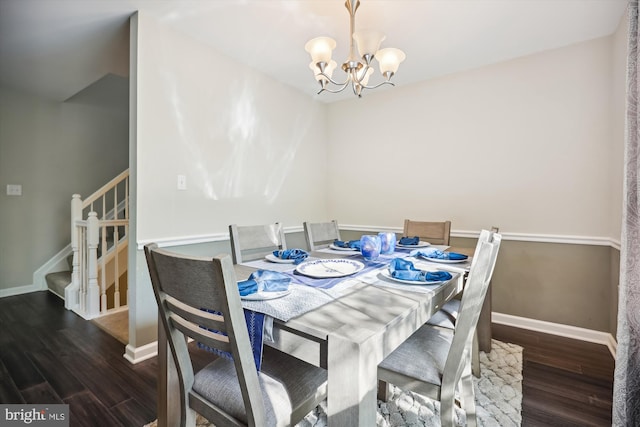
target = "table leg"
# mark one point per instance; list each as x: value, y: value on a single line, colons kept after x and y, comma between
x: 352, y: 382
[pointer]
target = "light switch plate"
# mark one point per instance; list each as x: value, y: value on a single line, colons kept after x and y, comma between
x: 14, y: 190
x: 182, y: 182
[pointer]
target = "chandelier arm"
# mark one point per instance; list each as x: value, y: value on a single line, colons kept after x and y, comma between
x: 386, y: 82
x: 357, y: 89
x: 333, y: 81
x: 324, y: 89
x: 364, y: 74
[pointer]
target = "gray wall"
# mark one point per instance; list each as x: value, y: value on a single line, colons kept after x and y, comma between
x: 53, y: 150
x: 560, y: 283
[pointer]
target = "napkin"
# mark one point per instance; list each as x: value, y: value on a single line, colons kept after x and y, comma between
x: 437, y: 254
x: 353, y: 244
x: 409, y: 240
x: 405, y: 270
x: 297, y: 255
x: 255, y: 327
x: 264, y: 281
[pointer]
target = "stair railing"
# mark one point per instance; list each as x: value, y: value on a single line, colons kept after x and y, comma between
x: 99, y: 234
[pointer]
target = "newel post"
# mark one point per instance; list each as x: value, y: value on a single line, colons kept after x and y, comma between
x: 93, y: 291
x: 71, y: 292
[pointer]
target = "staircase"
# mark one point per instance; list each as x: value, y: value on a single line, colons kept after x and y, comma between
x: 96, y: 282
x: 56, y: 282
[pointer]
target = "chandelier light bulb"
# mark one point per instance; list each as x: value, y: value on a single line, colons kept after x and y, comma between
x: 368, y: 41
x: 320, y: 49
x: 389, y: 60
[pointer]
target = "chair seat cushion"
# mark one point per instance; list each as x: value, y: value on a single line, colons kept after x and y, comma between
x: 286, y: 383
x: 421, y: 357
x: 446, y: 317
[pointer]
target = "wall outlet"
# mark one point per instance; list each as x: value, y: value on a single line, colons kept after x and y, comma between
x: 14, y: 190
x: 182, y: 182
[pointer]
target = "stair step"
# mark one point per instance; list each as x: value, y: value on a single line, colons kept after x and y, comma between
x: 57, y: 281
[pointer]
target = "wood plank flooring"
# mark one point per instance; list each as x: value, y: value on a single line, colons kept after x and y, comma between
x: 566, y: 382
x: 51, y: 355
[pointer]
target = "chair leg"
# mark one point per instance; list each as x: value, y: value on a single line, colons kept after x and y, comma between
x: 190, y: 418
x: 383, y: 390
x: 475, y: 356
x: 447, y: 407
x: 468, y: 397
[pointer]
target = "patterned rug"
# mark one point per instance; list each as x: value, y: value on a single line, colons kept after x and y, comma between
x: 498, y: 398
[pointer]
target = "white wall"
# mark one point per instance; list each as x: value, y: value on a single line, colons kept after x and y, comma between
x: 53, y: 150
x: 253, y: 150
x: 524, y: 144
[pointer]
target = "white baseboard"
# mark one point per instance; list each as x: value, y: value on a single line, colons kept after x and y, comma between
x: 559, y: 329
x: 19, y: 290
x: 138, y: 354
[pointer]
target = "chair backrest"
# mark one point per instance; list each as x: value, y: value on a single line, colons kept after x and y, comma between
x: 436, y: 233
x: 472, y: 299
x: 321, y: 234
x: 250, y: 242
x: 183, y: 286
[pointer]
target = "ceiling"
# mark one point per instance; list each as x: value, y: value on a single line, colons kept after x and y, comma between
x: 56, y: 48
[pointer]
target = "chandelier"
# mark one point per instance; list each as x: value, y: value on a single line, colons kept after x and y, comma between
x: 358, y: 70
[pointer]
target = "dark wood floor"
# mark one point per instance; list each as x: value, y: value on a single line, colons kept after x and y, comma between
x: 50, y: 355
x: 565, y: 382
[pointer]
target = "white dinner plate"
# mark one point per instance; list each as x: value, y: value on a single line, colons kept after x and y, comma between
x: 273, y: 258
x: 338, y: 248
x: 420, y: 244
x: 329, y: 268
x: 262, y: 296
x: 445, y: 261
x: 387, y: 275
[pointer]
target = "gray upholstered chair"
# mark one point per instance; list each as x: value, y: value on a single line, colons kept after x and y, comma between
x: 436, y: 233
x: 250, y: 242
x: 434, y: 361
x: 321, y: 234
x: 226, y: 392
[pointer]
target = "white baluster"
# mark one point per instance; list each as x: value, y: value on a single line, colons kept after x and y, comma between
x: 71, y: 293
x: 103, y: 273
x: 93, y: 291
x: 116, y: 267
x: 82, y: 255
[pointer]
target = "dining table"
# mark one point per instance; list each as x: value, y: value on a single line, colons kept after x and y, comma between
x: 346, y: 325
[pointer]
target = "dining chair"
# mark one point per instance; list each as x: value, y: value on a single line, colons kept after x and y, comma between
x: 448, y: 314
x: 321, y: 234
x: 250, y: 242
x: 435, y: 362
x: 436, y: 233
x: 194, y: 293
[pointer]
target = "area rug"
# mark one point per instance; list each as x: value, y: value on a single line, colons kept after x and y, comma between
x: 498, y: 398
